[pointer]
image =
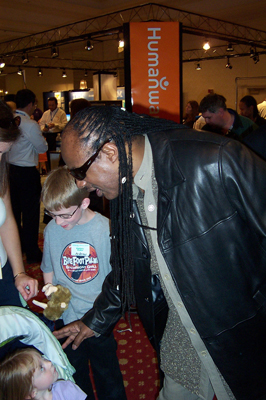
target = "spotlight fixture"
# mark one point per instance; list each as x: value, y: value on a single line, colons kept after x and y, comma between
x: 89, y: 45
x: 25, y: 58
x: 40, y: 72
x: 19, y: 71
x: 2, y: 62
x: 252, y: 52
x: 230, y: 47
x: 86, y: 73
x: 228, y: 65
x: 206, y: 45
x: 198, y: 67
x: 256, y: 58
x: 64, y: 75
x: 54, y: 52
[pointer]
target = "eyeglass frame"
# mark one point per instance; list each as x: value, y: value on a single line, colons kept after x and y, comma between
x: 62, y: 216
x: 14, y: 121
x: 84, y: 168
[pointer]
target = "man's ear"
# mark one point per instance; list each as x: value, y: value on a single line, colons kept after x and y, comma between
x: 85, y: 203
x: 111, y: 151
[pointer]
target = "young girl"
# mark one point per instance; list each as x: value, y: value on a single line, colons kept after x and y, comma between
x: 25, y: 374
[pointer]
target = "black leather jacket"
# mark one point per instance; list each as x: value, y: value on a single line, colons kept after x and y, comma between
x: 211, y: 227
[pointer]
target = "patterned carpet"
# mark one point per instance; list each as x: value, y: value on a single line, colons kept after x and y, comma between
x: 136, y: 356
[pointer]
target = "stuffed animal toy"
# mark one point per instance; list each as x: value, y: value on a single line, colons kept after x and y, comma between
x: 58, y: 300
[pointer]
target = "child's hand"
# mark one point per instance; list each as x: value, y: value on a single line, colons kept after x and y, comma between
x: 49, y: 289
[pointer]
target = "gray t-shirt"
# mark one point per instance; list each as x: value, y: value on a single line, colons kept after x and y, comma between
x: 80, y: 260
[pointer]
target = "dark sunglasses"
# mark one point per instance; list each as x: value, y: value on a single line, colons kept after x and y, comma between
x: 80, y: 173
x: 7, y: 123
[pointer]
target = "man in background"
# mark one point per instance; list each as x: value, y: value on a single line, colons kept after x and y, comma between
x: 52, y: 122
x: 223, y: 120
x: 25, y: 185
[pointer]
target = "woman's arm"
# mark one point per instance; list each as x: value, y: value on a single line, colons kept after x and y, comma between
x: 27, y: 286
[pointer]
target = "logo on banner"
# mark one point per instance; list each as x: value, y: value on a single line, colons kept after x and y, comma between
x: 155, y: 69
x: 80, y: 262
x: 155, y: 83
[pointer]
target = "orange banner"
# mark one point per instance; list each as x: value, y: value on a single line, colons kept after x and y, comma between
x: 155, y: 69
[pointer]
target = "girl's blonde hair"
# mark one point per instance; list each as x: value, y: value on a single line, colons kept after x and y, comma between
x: 16, y: 374
x: 60, y: 190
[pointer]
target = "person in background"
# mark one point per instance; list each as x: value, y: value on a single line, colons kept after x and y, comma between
x: 52, y: 122
x: 9, y: 99
x: 78, y: 104
x: 43, y: 160
x: 262, y: 108
x: 13, y: 278
x: 223, y: 120
x: 248, y: 108
x: 257, y: 141
x: 26, y: 374
x: 208, y: 254
x: 76, y: 255
x: 191, y: 113
x: 25, y: 184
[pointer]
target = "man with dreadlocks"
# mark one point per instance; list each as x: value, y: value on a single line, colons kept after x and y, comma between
x: 188, y: 216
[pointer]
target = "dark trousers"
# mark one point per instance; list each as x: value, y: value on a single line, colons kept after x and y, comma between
x: 101, y: 352
x: 9, y: 295
x: 25, y: 192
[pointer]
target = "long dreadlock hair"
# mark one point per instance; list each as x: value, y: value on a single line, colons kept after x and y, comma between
x: 93, y: 126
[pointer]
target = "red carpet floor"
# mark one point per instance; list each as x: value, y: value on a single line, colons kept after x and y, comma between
x: 136, y: 356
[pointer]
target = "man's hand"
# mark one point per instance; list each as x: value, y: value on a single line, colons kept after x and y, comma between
x: 76, y: 331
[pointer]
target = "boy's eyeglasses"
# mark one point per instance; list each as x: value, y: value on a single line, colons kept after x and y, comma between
x: 80, y: 173
x: 63, y: 216
x: 7, y: 123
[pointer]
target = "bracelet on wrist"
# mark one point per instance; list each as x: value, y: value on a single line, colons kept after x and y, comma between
x: 19, y: 274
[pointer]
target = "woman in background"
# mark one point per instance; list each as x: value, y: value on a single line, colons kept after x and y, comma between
x: 191, y: 113
x: 13, y: 278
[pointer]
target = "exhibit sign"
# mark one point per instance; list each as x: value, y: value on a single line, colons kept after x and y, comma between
x: 155, y: 68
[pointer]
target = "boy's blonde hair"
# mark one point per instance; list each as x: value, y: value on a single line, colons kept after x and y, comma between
x: 60, y: 190
x: 16, y: 374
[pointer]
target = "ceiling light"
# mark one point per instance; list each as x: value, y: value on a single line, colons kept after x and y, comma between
x: 40, y: 72
x: 251, y: 52
x: 198, y: 67
x: 83, y: 84
x: 206, y: 45
x: 64, y: 75
x: 89, y: 45
x: 19, y: 71
x: 86, y: 73
x: 2, y: 63
x: 228, y: 65
x: 121, y: 45
x: 230, y: 47
x: 54, y: 52
x: 25, y: 58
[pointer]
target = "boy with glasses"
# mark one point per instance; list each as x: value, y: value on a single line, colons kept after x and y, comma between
x: 76, y: 255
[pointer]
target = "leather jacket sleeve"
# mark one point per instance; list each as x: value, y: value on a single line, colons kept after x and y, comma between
x: 106, y: 310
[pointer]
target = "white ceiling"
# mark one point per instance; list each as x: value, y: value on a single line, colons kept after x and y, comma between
x: 23, y: 17
x: 19, y: 18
